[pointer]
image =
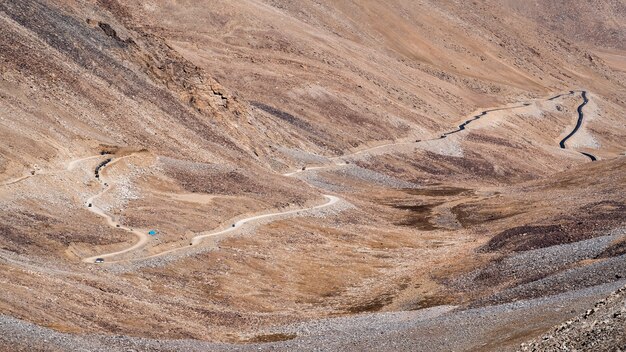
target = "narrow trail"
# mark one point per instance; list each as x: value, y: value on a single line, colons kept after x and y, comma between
x: 579, y: 123
x: 16, y: 180
x: 70, y: 166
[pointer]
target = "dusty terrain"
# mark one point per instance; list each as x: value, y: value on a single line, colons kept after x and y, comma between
x: 312, y: 175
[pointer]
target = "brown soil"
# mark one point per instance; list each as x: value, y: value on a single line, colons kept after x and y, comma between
x: 587, y: 222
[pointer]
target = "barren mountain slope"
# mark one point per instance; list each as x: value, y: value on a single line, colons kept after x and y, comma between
x: 315, y: 174
x: 388, y: 68
x: 597, y: 24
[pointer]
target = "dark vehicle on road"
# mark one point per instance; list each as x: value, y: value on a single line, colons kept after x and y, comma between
x: 99, y: 260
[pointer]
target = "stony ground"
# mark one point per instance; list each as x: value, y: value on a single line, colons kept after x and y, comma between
x: 600, y: 328
x: 441, y: 328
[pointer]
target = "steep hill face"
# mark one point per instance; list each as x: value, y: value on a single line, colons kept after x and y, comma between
x: 75, y: 86
x: 129, y: 78
x: 372, y: 70
x: 246, y: 171
x: 308, y: 80
x: 596, y: 24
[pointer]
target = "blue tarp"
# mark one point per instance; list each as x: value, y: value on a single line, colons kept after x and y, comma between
x: 152, y: 232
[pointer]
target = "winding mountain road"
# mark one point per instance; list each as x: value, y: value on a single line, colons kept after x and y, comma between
x: 143, y: 237
x: 196, y: 240
x: 461, y: 127
x: 590, y: 156
x: 330, y: 201
x: 579, y: 123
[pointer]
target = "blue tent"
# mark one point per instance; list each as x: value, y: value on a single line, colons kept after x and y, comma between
x: 152, y: 232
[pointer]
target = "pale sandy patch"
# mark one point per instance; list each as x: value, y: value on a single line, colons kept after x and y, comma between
x: 449, y: 146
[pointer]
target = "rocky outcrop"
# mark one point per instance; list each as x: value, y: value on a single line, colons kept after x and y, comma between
x: 601, y: 328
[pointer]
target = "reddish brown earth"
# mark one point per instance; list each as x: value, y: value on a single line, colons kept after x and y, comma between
x: 217, y: 112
